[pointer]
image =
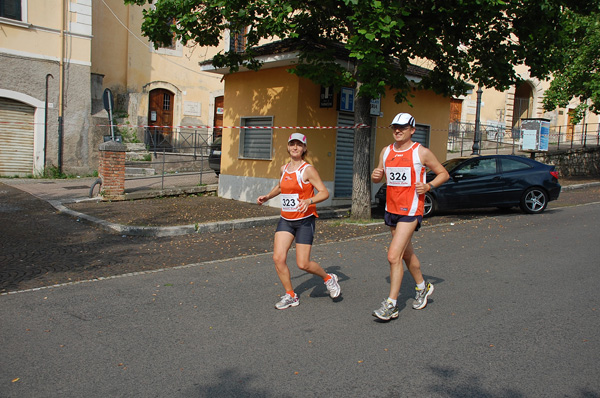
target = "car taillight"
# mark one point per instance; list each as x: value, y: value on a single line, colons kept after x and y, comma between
x: 554, y: 174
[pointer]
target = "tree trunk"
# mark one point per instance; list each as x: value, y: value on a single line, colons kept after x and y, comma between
x: 361, y: 179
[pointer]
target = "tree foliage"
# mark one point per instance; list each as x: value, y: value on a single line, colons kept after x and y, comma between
x: 459, y: 40
x: 579, y: 75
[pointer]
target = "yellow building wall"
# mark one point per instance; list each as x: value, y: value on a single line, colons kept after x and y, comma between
x: 111, y: 41
x: 269, y: 92
x: 41, y: 37
x: 295, y: 102
x: 428, y: 109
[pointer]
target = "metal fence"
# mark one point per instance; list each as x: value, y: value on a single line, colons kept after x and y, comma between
x: 496, y: 138
x: 170, y: 158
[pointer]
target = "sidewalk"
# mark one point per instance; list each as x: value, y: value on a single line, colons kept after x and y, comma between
x: 67, y: 196
x: 72, y: 197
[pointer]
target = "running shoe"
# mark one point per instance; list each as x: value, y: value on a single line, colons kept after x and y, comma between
x: 287, y: 301
x: 421, y: 297
x: 387, y: 311
x: 333, y: 286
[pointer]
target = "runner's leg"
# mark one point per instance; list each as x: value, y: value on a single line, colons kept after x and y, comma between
x: 412, y: 263
x: 281, y: 246
x: 304, y: 262
x: 401, y: 235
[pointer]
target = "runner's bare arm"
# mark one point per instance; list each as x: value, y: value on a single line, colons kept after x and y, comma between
x: 378, y: 172
x: 441, y: 174
x: 274, y: 192
x: 312, y: 175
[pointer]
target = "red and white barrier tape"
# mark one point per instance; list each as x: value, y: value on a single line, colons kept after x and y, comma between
x: 220, y: 127
x: 244, y: 127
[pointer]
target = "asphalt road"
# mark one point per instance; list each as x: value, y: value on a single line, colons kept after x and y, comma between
x: 514, y: 314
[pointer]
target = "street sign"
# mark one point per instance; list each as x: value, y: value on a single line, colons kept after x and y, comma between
x: 347, y: 99
x: 109, y: 103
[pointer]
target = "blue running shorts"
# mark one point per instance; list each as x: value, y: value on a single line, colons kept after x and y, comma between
x: 303, y: 230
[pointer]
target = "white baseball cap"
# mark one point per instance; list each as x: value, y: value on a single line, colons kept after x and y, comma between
x: 404, y: 119
x: 298, y: 137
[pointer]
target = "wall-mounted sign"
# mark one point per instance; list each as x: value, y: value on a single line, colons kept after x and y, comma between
x: 192, y: 108
x: 326, y: 100
x: 152, y: 116
x: 376, y: 106
x: 347, y: 99
x: 220, y: 110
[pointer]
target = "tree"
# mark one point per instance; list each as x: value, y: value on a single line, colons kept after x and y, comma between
x: 459, y: 40
x: 578, y: 76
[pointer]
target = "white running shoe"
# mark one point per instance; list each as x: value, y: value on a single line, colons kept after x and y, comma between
x: 333, y: 286
x: 287, y: 301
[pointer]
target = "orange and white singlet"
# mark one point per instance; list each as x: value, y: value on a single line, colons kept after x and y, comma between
x: 293, y: 189
x: 402, y: 170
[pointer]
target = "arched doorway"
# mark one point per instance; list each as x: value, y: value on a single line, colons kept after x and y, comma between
x: 160, y: 119
x: 522, y: 105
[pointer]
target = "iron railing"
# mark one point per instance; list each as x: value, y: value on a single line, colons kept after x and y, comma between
x: 495, y: 138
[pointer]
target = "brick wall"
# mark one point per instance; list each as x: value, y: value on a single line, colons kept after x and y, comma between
x: 112, y: 170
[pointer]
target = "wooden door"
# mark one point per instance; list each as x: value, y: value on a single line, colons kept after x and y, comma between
x: 160, y: 116
x: 455, y: 110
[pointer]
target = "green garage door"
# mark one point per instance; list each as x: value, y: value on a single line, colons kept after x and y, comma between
x: 16, y: 138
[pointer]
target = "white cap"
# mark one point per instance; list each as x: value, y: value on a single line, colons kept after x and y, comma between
x: 298, y: 137
x: 404, y: 119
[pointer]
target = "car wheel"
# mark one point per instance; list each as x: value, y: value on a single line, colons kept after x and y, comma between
x: 430, y: 206
x: 534, y: 201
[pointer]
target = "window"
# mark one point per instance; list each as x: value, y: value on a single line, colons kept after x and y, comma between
x: 421, y: 135
x: 256, y: 143
x: 11, y: 9
x: 237, y: 41
x: 173, y: 44
x: 513, y: 164
x: 478, y: 168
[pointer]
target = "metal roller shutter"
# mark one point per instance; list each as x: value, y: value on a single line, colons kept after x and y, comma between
x: 256, y: 143
x: 421, y: 135
x: 344, y: 157
x: 16, y: 138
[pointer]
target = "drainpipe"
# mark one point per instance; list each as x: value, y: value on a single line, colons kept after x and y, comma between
x: 61, y: 86
x: 46, y: 119
x: 477, y: 137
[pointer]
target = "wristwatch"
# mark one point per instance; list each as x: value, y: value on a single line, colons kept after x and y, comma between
x: 431, y: 187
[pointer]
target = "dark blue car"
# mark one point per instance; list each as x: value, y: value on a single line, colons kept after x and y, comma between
x: 502, y: 181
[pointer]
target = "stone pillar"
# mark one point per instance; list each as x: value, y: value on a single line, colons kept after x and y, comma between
x: 112, y: 170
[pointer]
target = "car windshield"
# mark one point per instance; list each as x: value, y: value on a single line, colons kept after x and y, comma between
x: 450, y: 164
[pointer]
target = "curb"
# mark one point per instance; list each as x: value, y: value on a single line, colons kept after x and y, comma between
x: 579, y: 186
x: 218, y: 226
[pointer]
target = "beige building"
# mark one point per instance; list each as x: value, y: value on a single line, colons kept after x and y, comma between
x: 45, y: 70
x: 152, y: 87
x: 505, y: 110
x: 69, y: 52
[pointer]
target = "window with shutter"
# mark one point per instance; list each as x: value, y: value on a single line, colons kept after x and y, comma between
x: 256, y: 143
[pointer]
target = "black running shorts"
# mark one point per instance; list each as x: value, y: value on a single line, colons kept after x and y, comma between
x: 391, y: 219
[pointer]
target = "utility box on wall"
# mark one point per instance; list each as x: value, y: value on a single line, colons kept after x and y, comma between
x: 536, y: 134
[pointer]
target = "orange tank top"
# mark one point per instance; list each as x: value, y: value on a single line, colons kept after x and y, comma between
x: 293, y: 189
x: 402, y: 170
